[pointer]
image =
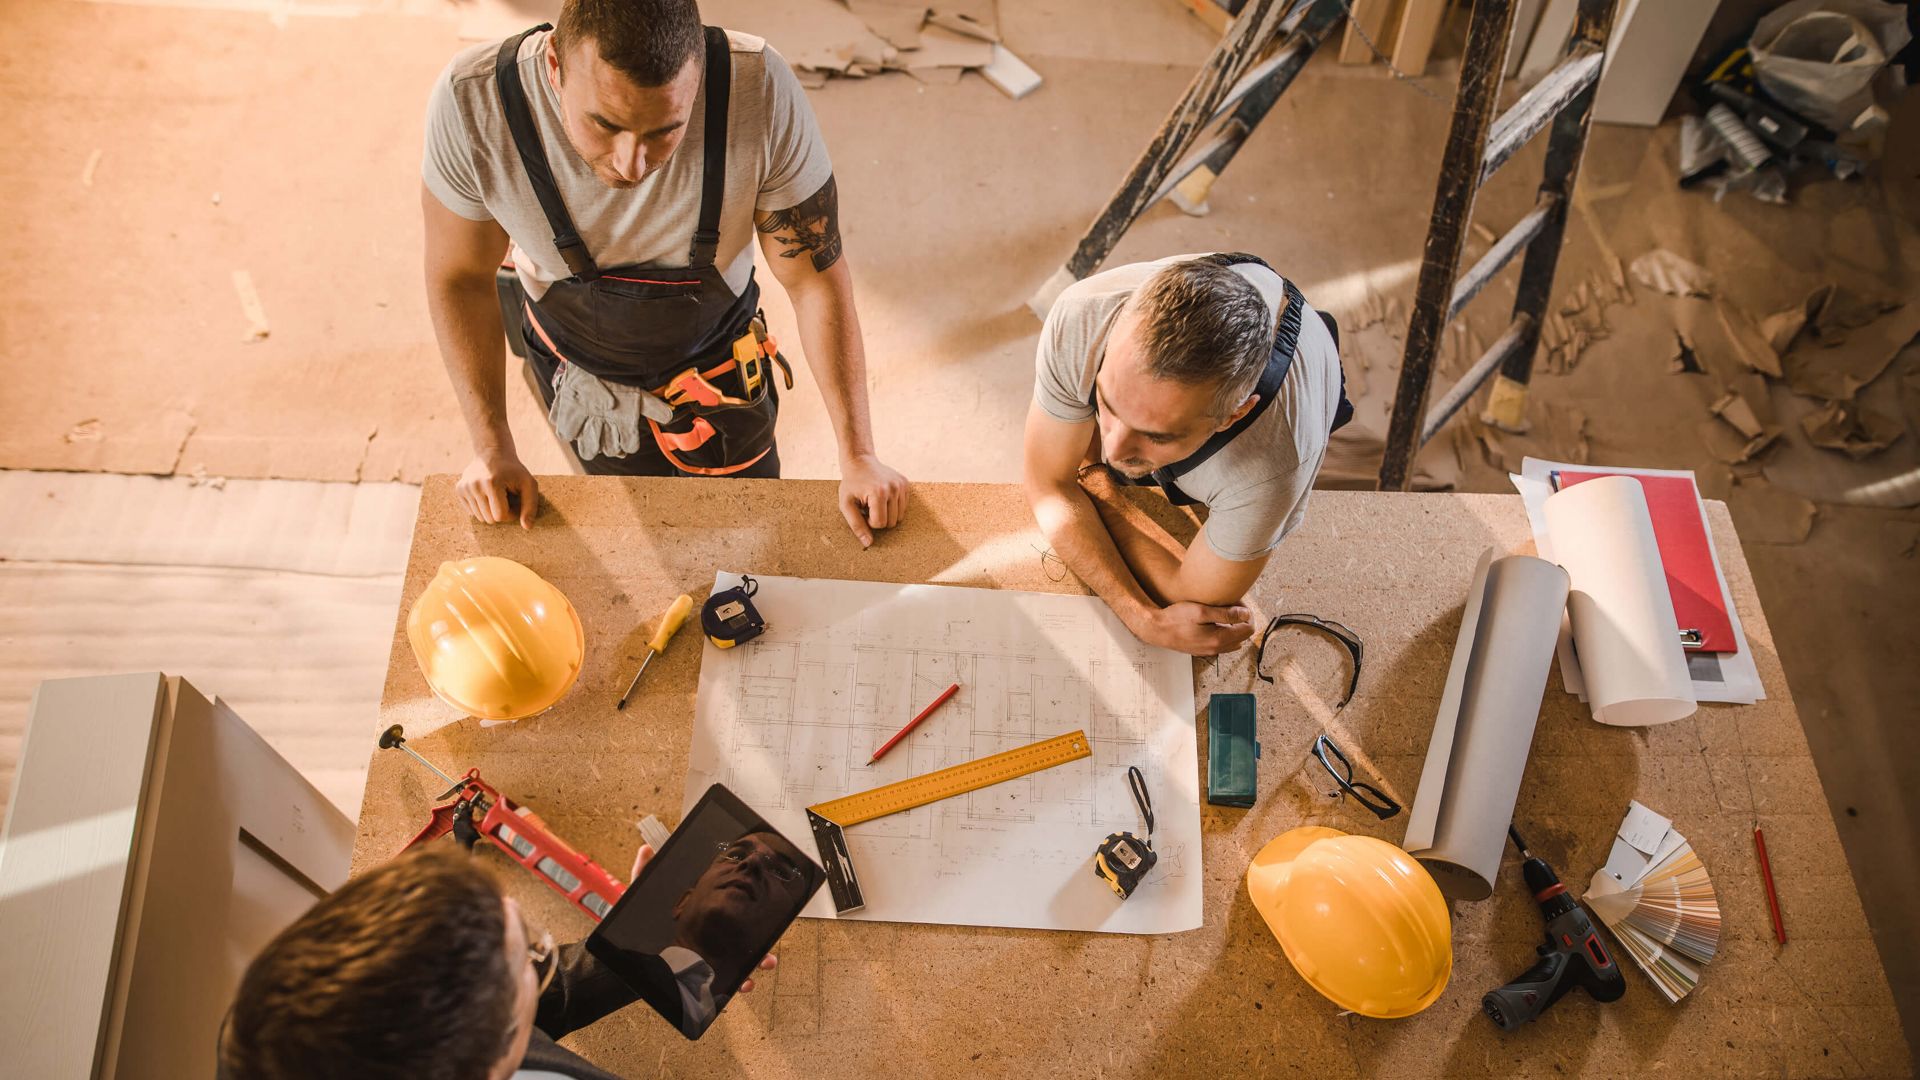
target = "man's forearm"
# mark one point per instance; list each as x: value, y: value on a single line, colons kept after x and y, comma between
x: 1152, y: 554
x: 472, y: 337
x: 830, y: 335
x: 1072, y: 524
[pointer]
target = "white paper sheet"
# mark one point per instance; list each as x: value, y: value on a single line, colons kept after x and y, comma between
x: 1622, y: 616
x: 1643, y: 841
x: 1729, y: 677
x: 790, y: 718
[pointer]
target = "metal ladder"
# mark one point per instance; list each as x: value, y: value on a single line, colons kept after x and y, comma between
x: 1235, y: 88
x: 1477, y: 145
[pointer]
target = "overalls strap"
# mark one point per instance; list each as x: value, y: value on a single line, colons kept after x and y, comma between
x: 533, y: 157
x: 713, y: 167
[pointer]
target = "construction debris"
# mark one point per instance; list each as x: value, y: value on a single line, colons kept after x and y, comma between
x: 1836, y: 376
x: 1747, y: 424
x: 1683, y: 361
x: 935, y: 41
x: 1663, y: 271
x: 1010, y: 74
x: 1852, y: 429
x: 1748, y: 342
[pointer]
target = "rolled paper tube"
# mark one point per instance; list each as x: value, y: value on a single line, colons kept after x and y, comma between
x: 1484, y: 730
x: 1624, y: 630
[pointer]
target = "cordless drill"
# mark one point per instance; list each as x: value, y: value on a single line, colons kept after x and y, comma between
x: 1573, y: 953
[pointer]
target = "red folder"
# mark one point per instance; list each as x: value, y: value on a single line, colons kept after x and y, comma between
x: 1687, y: 553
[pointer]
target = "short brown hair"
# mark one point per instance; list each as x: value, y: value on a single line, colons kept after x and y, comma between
x: 402, y: 973
x: 1199, y: 322
x: 648, y: 41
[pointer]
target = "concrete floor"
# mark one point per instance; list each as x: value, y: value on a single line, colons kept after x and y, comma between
x: 283, y: 140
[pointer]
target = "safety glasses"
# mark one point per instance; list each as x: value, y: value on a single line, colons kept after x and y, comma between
x: 542, y: 954
x: 1382, y: 804
x: 1356, y: 648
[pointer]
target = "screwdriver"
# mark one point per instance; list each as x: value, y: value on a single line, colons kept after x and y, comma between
x: 670, y: 622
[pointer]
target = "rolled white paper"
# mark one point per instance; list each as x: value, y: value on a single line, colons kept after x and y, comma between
x: 1624, y: 630
x: 1484, y: 730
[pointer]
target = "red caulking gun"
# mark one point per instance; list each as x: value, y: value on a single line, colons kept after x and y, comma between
x: 471, y: 808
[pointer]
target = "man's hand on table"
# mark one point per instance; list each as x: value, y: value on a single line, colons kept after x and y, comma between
x: 488, y: 483
x: 1195, y: 629
x: 873, y: 496
x: 640, y: 859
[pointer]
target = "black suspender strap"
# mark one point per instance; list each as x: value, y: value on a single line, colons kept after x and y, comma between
x: 533, y: 157
x: 713, y: 166
x: 1286, y: 343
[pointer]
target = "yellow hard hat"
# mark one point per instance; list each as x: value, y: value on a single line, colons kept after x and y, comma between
x: 495, y: 639
x: 1360, y: 920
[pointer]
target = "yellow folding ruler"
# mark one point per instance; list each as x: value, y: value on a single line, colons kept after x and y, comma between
x: 829, y: 819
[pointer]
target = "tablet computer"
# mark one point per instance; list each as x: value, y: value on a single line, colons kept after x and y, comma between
x: 704, y: 911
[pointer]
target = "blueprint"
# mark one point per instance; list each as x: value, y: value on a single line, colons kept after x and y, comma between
x: 790, y: 718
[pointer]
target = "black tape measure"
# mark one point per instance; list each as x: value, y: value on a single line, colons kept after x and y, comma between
x: 729, y: 617
x: 1124, y: 860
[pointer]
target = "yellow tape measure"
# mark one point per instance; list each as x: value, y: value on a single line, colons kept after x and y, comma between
x: 955, y: 780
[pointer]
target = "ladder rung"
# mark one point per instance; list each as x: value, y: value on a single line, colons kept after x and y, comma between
x: 1489, y: 362
x: 1539, y: 105
x: 1500, y: 254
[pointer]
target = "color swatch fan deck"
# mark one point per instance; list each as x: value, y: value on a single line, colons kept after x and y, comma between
x: 1654, y: 894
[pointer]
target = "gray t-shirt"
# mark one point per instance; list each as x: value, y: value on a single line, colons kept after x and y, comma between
x: 1255, y: 488
x: 775, y: 160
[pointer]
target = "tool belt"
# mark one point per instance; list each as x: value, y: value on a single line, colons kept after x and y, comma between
x: 712, y: 418
x: 722, y: 416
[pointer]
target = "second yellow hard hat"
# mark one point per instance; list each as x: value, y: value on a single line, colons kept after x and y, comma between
x: 495, y: 639
x: 1360, y: 920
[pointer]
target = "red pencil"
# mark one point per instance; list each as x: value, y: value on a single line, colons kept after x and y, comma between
x: 1766, y: 875
x: 915, y: 722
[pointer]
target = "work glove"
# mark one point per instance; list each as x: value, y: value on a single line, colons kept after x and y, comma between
x: 600, y: 418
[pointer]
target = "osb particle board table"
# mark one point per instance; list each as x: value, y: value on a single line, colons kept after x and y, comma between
x: 862, y: 999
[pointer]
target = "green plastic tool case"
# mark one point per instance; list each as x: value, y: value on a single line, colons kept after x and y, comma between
x: 1233, y: 752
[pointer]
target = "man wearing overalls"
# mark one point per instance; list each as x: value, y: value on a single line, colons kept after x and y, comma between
x: 1207, y: 376
x: 635, y: 294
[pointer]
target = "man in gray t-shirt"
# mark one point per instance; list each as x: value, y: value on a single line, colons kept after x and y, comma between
x: 618, y: 101
x: 1153, y: 373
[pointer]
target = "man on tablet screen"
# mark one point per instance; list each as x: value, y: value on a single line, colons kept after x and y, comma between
x: 420, y: 969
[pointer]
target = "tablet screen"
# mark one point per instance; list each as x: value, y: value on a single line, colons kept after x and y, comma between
x: 705, y: 910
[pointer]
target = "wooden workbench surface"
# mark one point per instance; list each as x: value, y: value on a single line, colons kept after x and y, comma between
x: 865, y: 999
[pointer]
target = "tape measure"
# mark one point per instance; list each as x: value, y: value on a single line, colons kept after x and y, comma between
x: 828, y: 819
x: 1124, y: 860
x: 729, y: 617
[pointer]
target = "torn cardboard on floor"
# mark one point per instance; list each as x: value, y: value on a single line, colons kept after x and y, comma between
x: 1852, y: 429
x: 1684, y: 360
x: 935, y: 41
x: 1749, y: 343
x: 1663, y: 271
x: 1836, y: 374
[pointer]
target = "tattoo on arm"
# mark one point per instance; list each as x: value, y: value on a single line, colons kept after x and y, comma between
x: 811, y: 229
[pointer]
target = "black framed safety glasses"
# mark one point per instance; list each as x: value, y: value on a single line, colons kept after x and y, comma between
x: 1340, y: 632
x: 1383, y: 805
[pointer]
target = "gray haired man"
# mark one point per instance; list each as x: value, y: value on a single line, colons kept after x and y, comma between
x: 1207, y: 376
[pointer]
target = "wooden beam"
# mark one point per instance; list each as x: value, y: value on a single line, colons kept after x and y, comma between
x: 1413, y: 41
x: 1375, y: 19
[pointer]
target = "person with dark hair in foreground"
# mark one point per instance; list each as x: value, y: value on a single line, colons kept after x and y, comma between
x: 1207, y: 376
x: 419, y: 969
x: 622, y: 163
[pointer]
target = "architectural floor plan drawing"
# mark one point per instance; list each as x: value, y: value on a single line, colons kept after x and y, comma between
x: 790, y: 718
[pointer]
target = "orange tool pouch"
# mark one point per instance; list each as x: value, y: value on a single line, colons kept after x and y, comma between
x: 723, y: 416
